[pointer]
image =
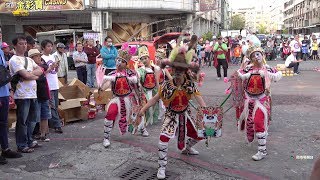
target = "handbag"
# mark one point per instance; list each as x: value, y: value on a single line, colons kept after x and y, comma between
x: 16, y: 77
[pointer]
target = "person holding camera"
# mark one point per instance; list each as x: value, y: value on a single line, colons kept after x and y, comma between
x: 220, y: 54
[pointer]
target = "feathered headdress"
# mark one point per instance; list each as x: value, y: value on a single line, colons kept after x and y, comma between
x: 126, y: 52
x: 143, y: 51
x: 181, y: 57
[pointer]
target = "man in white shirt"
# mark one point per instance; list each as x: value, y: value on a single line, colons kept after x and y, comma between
x: 292, y: 62
x: 61, y: 56
x: 53, y: 83
x: 295, y: 46
x: 25, y: 95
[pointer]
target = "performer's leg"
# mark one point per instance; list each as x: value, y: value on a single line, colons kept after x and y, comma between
x: 108, y: 123
x: 163, y: 160
x: 191, y: 141
x: 162, y: 110
x: 142, y: 128
x: 261, y: 134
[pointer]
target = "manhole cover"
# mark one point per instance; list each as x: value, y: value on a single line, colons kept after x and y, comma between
x: 138, y: 172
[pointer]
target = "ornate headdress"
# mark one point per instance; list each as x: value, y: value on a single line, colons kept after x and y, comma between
x: 181, y: 56
x: 143, y: 51
x: 254, y: 46
x: 126, y: 52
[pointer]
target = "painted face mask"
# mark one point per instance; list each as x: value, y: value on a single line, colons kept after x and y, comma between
x: 257, y: 56
x: 119, y: 62
x: 144, y: 60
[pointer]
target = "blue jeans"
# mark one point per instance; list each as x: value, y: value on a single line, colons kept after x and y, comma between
x: 55, y: 121
x: 82, y: 74
x: 4, y: 110
x: 26, y: 121
x: 91, y: 75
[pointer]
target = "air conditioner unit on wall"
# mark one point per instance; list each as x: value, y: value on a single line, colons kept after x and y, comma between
x: 107, y: 20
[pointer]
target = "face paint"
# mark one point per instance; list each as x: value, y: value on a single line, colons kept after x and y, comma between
x: 257, y: 56
x: 144, y: 60
x: 119, y: 62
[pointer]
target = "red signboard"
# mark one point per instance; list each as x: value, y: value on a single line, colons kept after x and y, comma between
x: 207, y: 5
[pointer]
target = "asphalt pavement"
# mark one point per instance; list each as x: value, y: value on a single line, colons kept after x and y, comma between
x: 293, y: 134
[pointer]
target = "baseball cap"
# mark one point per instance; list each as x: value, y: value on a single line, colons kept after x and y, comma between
x: 30, y: 40
x: 33, y: 52
x: 60, y: 45
x: 4, y: 45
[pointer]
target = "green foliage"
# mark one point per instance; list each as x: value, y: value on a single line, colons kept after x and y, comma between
x: 285, y: 31
x: 237, y: 22
x: 207, y: 36
x: 262, y: 29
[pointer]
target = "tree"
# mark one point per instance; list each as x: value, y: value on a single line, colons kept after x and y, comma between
x: 285, y: 31
x: 207, y: 36
x: 262, y: 29
x: 237, y: 22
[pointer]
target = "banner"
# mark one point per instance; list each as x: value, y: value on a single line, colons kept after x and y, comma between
x: 7, y: 6
x: 207, y: 5
x: 94, y: 36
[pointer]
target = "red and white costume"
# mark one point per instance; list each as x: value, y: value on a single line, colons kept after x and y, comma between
x: 256, y: 113
x: 119, y: 107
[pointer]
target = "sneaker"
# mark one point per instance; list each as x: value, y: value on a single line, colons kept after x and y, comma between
x: 58, y: 130
x: 44, y: 139
x: 190, y: 151
x: 106, y: 143
x: 161, y: 173
x: 3, y: 160
x: 260, y: 155
x: 10, y: 154
x: 218, y: 78
x: 144, y: 133
x: 295, y: 74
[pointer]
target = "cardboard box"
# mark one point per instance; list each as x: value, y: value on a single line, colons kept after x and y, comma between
x: 69, y: 104
x: 61, y: 84
x: 103, y: 97
x: 84, y: 88
x: 71, y: 92
x: 73, y: 114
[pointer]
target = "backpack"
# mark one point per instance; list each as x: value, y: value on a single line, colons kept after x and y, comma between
x: 5, y: 76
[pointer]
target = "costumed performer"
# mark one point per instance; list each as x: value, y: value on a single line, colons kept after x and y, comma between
x: 122, y: 81
x: 255, y: 116
x: 148, y: 83
x: 176, y: 94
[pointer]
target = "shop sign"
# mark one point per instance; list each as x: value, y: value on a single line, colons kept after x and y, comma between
x: 7, y: 6
x: 91, y: 35
x: 207, y: 5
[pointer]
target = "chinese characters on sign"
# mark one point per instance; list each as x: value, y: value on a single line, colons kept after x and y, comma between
x: 207, y: 5
x: 91, y: 35
x: 40, y: 5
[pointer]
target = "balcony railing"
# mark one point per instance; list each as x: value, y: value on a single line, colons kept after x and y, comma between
x: 153, y: 5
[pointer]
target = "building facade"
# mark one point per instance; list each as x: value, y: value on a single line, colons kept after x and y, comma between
x: 302, y: 16
x: 121, y: 19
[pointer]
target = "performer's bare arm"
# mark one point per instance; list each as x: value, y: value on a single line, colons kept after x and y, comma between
x: 168, y: 74
x: 200, y: 100
x: 157, y: 74
x: 150, y: 103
